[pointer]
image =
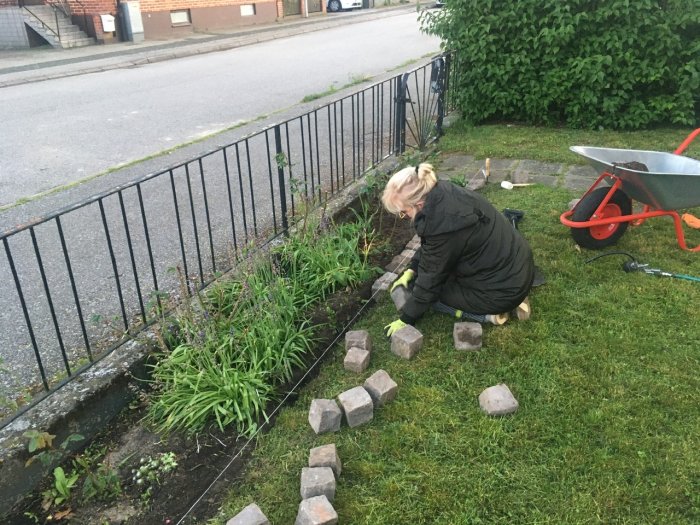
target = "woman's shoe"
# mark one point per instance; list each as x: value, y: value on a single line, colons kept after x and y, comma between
x: 523, y: 311
x: 497, y: 319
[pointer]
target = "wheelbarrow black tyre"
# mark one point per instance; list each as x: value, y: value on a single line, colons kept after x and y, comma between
x: 598, y: 237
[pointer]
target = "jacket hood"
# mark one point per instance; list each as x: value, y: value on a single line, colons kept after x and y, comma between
x: 444, y: 212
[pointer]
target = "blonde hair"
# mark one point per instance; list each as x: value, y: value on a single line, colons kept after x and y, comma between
x: 408, y: 187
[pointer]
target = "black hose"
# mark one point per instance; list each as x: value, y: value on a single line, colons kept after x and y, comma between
x: 610, y: 253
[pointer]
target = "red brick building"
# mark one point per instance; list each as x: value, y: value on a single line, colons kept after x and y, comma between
x: 161, y: 19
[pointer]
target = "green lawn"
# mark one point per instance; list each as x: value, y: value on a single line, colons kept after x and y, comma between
x: 607, y: 374
x: 512, y: 141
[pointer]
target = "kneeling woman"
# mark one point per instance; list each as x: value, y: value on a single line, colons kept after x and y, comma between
x: 471, y: 263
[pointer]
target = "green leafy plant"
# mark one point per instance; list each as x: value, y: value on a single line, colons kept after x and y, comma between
x: 250, y: 332
x: 101, y: 480
x: 615, y: 64
x: 40, y: 444
x: 61, y: 490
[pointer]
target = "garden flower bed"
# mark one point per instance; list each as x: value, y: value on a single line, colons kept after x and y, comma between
x: 201, y: 448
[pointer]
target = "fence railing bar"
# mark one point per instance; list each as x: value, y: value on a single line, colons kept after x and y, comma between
x: 342, y: 141
x: 230, y: 203
x: 252, y: 192
x: 291, y: 173
x: 74, y: 288
x: 303, y: 159
x: 318, y: 158
x: 206, y: 214
x: 280, y: 181
x: 194, y: 225
x: 25, y: 312
x: 278, y: 147
x: 147, y: 235
x: 363, y: 126
x: 330, y: 148
x: 375, y: 111
x: 130, y: 247
x: 113, y: 259
x: 311, y: 156
x: 49, y: 300
x: 178, y: 220
x: 353, y: 135
x: 338, y: 132
x: 242, y: 193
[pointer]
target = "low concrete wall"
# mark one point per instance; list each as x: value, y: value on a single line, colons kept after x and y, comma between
x: 83, y: 406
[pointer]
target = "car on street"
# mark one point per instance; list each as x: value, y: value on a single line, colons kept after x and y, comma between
x: 341, y: 5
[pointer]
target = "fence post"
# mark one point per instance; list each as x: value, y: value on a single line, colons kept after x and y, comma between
x: 438, y: 85
x: 279, y: 160
x: 400, y: 101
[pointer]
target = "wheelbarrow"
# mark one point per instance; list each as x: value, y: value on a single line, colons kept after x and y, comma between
x: 662, y: 182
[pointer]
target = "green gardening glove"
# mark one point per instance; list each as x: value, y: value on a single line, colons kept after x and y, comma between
x: 394, y: 327
x: 406, y: 277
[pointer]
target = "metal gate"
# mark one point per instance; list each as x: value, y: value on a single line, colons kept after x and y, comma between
x: 292, y: 7
x: 314, y: 6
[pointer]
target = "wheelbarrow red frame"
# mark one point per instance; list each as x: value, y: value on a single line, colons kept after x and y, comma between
x: 607, y: 218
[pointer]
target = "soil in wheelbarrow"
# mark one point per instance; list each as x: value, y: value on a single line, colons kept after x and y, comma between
x: 634, y: 165
x: 202, y: 459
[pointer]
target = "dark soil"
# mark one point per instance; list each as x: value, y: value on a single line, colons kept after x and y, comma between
x: 211, y: 462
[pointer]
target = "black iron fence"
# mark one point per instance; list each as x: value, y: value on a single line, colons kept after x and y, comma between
x: 78, y: 282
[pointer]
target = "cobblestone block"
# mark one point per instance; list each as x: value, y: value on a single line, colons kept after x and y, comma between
x: 397, y: 265
x: 317, y: 481
x: 406, y: 342
x: 356, y: 360
x: 358, y: 339
x: 316, y: 511
x: 357, y: 406
x: 384, y: 282
x: 467, y: 335
x: 381, y: 388
x: 325, y: 416
x: 400, y: 295
x: 251, y: 515
x: 414, y: 243
x: 498, y: 400
x: 326, y: 456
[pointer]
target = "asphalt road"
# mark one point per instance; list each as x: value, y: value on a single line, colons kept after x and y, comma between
x: 66, y: 130
x: 69, y: 129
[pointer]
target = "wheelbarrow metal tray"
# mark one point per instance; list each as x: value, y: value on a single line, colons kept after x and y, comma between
x: 672, y: 182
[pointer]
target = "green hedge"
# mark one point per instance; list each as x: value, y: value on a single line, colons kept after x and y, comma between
x: 620, y: 64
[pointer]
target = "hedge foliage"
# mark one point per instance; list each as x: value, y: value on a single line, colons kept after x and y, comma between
x: 620, y: 64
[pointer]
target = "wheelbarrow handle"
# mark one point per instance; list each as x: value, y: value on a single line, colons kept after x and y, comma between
x: 684, y: 145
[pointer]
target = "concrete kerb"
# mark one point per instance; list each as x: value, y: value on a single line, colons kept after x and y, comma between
x: 89, y: 402
x: 82, y: 406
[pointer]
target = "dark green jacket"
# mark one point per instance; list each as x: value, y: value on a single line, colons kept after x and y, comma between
x: 468, y: 244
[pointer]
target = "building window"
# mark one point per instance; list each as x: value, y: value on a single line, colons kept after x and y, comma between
x: 248, y: 10
x: 180, y: 17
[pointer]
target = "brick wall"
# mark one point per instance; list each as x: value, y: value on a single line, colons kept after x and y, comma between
x: 169, y: 5
x: 102, y: 7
